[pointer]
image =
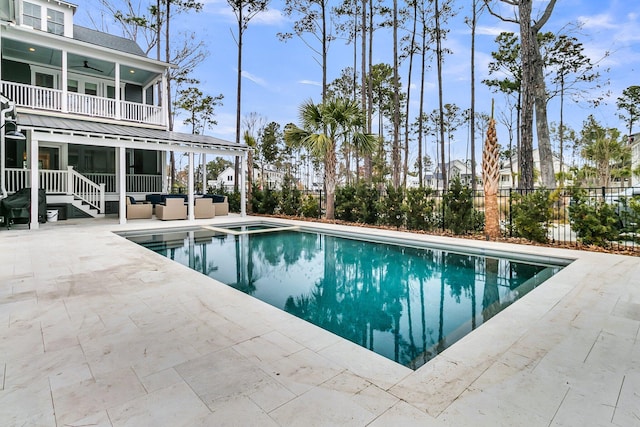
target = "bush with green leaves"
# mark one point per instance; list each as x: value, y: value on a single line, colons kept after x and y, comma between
x: 346, y: 203
x: 367, y: 207
x: 458, y: 208
x: 531, y: 215
x: 264, y: 202
x: 310, y: 207
x: 594, y: 221
x: 392, y: 209
x: 290, y: 197
x: 421, y: 209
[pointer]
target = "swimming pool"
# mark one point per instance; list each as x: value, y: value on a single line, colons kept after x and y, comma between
x: 407, y: 302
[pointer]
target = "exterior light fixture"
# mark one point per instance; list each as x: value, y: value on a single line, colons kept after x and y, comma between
x: 32, y: 49
x: 15, y: 135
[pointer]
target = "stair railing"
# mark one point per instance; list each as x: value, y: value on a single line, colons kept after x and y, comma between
x: 85, y: 189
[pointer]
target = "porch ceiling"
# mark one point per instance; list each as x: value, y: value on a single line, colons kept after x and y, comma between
x: 130, y: 136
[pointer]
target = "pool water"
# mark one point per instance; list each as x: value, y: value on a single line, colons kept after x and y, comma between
x: 405, y: 303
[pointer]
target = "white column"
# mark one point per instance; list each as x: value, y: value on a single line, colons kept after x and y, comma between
x: 243, y: 185
x: 122, y: 185
x: 165, y: 176
x: 63, y: 83
x: 204, y: 173
x: 117, y: 92
x: 35, y: 183
x: 190, y: 191
x: 165, y: 110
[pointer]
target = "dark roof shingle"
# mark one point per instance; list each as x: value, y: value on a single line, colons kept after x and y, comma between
x: 107, y: 40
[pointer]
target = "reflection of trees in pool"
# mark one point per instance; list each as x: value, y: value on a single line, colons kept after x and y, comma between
x: 386, y: 298
x: 490, y: 297
x: 273, y: 249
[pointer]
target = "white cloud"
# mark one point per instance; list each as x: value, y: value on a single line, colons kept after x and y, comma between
x: 257, y: 80
x: 600, y: 21
x: 489, y: 31
x: 309, y: 82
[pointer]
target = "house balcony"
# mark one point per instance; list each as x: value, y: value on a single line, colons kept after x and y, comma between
x: 54, y: 100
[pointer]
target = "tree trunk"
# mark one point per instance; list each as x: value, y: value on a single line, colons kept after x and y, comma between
x: 443, y: 164
x: 472, y: 112
x: 423, y: 67
x: 547, y: 174
x: 525, y: 156
x: 236, y: 166
x: 395, y: 151
x: 405, y: 168
x: 491, y: 180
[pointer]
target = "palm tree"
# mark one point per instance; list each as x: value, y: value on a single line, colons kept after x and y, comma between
x: 322, y: 125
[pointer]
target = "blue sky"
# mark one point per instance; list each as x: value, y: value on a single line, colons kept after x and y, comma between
x: 279, y: 76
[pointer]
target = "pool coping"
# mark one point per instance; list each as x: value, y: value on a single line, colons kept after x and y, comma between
x: 460, y: 384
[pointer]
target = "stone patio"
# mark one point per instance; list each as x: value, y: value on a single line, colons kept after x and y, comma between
x: 96, y: 330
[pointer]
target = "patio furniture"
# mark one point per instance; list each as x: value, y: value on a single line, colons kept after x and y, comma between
x: 158, y: 198
x: 16, y: 208
x: 221, y: 203
x: 204, y: 208
x: 173, y: 208
x: 138, y: 210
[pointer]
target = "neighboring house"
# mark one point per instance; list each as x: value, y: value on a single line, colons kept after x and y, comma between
x: 506, y: 177
x: 90, y: 106
x: 634, y: 140
x: 455, y: 168
x: 273, y: 178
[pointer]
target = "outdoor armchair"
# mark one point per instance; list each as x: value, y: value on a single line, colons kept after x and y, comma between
x: 173, y: 208
x: 221, y: 203
x: 138, y: 210
x: 204, y: 208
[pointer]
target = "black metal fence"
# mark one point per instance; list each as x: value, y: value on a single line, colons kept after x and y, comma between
x: 604, y: 216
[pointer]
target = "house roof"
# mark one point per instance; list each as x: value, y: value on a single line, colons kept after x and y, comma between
x: 107, y: 134
x: 107, y: 40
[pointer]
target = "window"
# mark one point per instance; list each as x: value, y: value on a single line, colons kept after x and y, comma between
x: 229, y: 177
x: 55, y: 22
x: 72, y: 86
x: 44, y: 80
x: 31, y: 15
x: 91, y: 89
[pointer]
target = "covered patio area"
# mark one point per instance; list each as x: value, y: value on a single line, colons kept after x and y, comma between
x: 93, y: 189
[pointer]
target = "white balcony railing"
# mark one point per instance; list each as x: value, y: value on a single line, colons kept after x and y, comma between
x: 57, y: 181
x: 41, y: 98
x: 136, y: 183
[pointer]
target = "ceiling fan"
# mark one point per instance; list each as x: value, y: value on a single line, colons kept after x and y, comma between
x: 85, y: 64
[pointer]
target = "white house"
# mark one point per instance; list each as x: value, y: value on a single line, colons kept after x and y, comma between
x: 90, y: 106
x: 273, y: 178
x: 506, y: 177
x: 634, y: 140
x: 455, y: 168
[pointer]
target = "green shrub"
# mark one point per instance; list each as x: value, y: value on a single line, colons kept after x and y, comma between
x: 421, y: 206
x: 458, y: 208
x: 290, y: 197
x: 594, y: 222
x: 531, y: 215
x: 346, y: 203
x: 392, y: 209
x: 367, y: 207
x: 310, y: 207
x: 265, y: 201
